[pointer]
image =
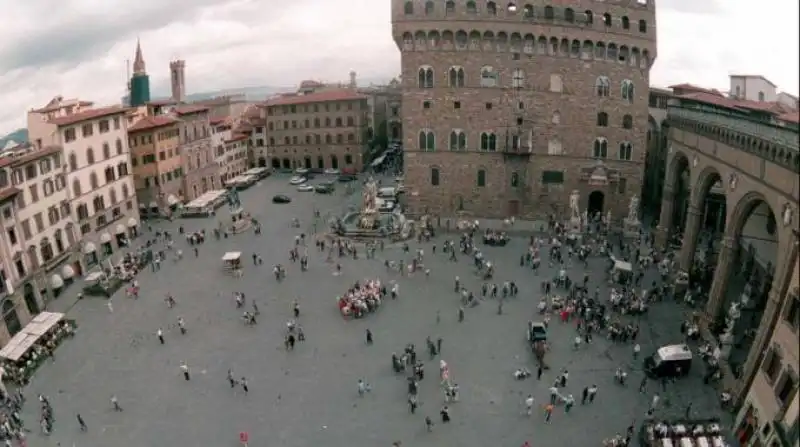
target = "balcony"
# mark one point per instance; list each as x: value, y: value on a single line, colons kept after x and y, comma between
x: 516, y: 153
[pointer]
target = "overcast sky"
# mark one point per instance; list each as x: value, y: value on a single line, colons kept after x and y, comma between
x: 79, y: 47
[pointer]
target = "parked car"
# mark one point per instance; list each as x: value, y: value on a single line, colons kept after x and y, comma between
x: 280, y: 198
x: 297, y: 180
x: 324, y: 189
x: 345, y: 178
x: 301, y: 171
x: 331, y: 171
x: 305, y: 188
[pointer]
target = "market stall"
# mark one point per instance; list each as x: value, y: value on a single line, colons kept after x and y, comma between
x: 32, y: 345
x: 622, y: 272
x: 232, y: 261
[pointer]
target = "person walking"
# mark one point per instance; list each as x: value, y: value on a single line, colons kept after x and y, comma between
x: 115, y: 404
x: 82, y: 423
x: 185, y: 370
x: 160, y: 335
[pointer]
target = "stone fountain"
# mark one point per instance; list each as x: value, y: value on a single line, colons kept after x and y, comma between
x: 369, y: 222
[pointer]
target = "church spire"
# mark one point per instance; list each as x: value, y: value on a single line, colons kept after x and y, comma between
x: 138, y: 61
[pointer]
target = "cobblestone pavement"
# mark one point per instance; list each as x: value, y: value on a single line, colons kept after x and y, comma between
x: 308, y: 397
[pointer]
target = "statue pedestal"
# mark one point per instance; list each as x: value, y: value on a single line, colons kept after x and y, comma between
x: 631, y: 228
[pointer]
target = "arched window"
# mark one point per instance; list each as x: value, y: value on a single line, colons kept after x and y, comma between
x: 602, y: 119
x: 489, y: 77
x: 607, y: 19
x: 59, y: 238
x: 626, y: 22
x: 518, y: 78
x: 338, y: 122
x: 569, y: 15
x: 351, y: 121
x: 600, y: 148
x: 515, y: 179
x: 761, y: 96
x: 73, y: 161
x: 450, y: 7
x: 328, y: 139
x: 488, y: 141
x: 429, y: 8
x: 589, y: 17
x: 339, y: 138
x: 427, y: 141
x: 627, y: 122
x: 76, y: 188
x: 527, y: 11
x: 118, y: 144
x: 89, y: 156
x: 642, y: 26
x: 627, y: 90
x: 125, y: 191
x: 327, y: 122
x: 472, y: 8
x: 603, y: 86
x: 625, y: 151
x: 112, y: 196
x: 458, y: 140
x: 425, y: 77
x: 98, y: 204
x: 316, y: 122
x: 109, y: 174
x: 106, y: 151
x: 549, y: 14
x: 408, y: 8
x: 456, y: 77
x: 481, y: 180
x: 317, y: 139
x: 435, y: 176
x: 491, y: 8
x: 46, y: 250
x: 93, y: 180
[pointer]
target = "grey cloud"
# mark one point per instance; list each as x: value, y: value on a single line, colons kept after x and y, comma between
x: 85, y: 34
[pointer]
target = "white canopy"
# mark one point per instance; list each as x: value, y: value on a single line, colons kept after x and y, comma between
x: 622, y: 265
x: 105, y: 238
x: 67, y: 272
x: 132, y: 222
x: 120, y: 229
x: 172, y: 200
x: 232, y: 256
x: 94, y: 276
x: 23, y: 340
x: 89, y: 248
x: 56, y: 282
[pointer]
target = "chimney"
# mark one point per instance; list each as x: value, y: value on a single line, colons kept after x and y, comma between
x: 352, y: 79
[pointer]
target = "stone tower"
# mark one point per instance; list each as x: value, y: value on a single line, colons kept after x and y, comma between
x: 353, y: 79
x: 140, y: 82
x: 177, y: 70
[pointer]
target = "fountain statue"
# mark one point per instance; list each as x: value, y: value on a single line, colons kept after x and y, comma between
x: 633, y: 209
x: 574, y: 198
x: 369, y: 208
x: 631, y: 224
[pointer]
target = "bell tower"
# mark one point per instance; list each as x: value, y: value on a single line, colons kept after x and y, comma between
x: 177, y: 71
x: 140, y: 82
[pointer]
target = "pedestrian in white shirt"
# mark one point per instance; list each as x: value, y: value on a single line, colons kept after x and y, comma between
x: 529, y: 405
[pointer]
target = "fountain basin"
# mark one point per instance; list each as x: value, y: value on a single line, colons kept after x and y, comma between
x: 387, y: 225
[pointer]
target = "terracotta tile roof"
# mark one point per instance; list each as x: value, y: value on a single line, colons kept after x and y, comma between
x: 8, y: 193
x: 87, y: 115
x: 324, y: 96
x: 695, y: 89
x: 791, y: 117
x: 191, y: 108
x: 217, y: 120
x: 311, y: 84
x: 151, y: 122
x: 236, y: 137
x: 709, y: 98
x: 29, y: 157
x: 759, y: 106
x: 162, y: 102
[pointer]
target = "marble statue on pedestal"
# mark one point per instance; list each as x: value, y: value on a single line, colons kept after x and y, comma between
x: 585, y: 218
x: 608, y: 217
x: 574, y: 199
x: 633, y: 209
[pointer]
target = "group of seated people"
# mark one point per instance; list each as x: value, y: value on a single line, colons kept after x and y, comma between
x: 20, y: 372
x: 362, y: 298
x: 493, y: 237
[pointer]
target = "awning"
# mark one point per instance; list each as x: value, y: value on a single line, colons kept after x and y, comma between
x: 89, y: 248
x: 120, y: 229
x: 67, y: 272
x: 56, y: 282
x: 172, y: 200
x: 105, y: 238
x: 153, y: 204
x: 27, y: 337
x: 132, y: 222
x: 378, y: 161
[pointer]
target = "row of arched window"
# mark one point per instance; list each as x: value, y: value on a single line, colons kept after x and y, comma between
x: 528, y: 44
x: 110, y: 174
x: 600, y: 149
x: 528, y: 12
x: 48, y: 250
x: 90, y: 157
x: 480, y: 178
x: 316, y: 139
x: 316, y: 123
x: 602, y: 120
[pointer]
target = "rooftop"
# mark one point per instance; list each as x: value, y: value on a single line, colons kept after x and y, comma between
x: 190, y: 109
x: 8, y: 193
x: 236, y: 137
x: 33, y: 155
x: 791, y: 117
x: 59, y: 102
x: 162, y: 102
x: 323, y: 96
x: 87, y: 115
x: 152, y: 122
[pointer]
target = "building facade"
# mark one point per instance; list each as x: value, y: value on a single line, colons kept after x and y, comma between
x: 504, y: 116
x: 102, y: 194
x: 199, y: 169
x: 154, y: 143
x: 385, y: 120
x: 235, y: 163
x: 317, y: 130
x: 769, y: 412
x: 656, y: 155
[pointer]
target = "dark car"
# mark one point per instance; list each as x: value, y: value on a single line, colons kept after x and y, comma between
x: 345, y: 178
x: 280, y: 198
x: 537, y: 332
x: 324, y: 189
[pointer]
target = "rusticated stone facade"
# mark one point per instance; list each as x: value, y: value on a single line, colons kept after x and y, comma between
x: 511, y: 111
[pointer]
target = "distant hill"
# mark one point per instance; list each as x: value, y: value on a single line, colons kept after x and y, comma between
x: 19, y: 135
